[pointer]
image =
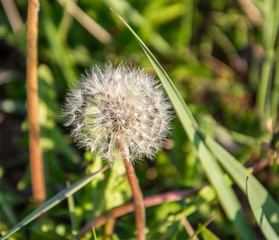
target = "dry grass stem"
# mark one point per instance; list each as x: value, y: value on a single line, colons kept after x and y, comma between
x: 189, y: 229
x: 127, y: 208
x: 36, y: 163
x: 13, y: 15
x: 88, y: 23
x: 252, y: 11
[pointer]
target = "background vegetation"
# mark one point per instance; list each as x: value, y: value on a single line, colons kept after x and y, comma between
x: 223, y: 59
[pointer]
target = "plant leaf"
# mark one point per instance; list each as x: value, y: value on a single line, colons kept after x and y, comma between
x: 53, y: 202
x: 201, y: 228
x: 257, y: 210
x: 71, y: 206
x: 239, y: 174
x: 214, y: 173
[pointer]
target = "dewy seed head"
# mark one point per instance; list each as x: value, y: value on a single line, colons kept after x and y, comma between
x: 111, y: 103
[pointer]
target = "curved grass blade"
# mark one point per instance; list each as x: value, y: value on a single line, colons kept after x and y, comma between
x: 257, y: 210
x: 53, y: 202
x: 239, y: 174
x: 227, y: 197
x: 201, y: 228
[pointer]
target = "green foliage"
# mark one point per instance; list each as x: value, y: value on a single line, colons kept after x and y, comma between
x: 213, y: 171
x: 222, y: 57
x: 264, y: 221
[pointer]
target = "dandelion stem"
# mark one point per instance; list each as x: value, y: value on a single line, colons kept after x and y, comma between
x: 36, y: 163
x: 136, y: 191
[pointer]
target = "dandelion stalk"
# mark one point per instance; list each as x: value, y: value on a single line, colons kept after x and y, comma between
x: 136, y: 191
x: 36, y: 163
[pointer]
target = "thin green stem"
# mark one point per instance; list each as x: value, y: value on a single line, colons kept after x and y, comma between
x: 53, y: 202
x: 263, y: 87
x: 271, y: 16
x: 275, y: 90
x: 71, y: 205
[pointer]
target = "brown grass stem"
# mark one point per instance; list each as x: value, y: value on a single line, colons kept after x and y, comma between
x: 88, y: 23
x: 36, y: 163
x: 188, y: 228
x: 127, y: 208
x: 13, y: 15
x: 136, y: 192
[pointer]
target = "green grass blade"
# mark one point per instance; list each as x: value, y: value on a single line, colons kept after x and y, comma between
x: 201, y: 228
x: 65, y: 23
x: 275, y: 89
x: 270, y: 28
x: 185, y: 33
x: 214, y: 173
x: 264, y: 82
x: 8, y: 213
x: 53, y: 202
x: 59, y: 49
x: 155, y: 39
x: 94, y: 234
x: 257, y: 210
x: 71, y: 205
x: 208, y: 235
x: 239, y: 174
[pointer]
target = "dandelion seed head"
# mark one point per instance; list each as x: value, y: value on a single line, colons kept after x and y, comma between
x: 113, y: 103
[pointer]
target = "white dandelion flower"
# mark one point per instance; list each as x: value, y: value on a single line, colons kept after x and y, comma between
x: 113, y: 103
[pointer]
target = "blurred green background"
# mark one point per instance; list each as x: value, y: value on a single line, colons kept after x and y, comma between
x: 219, y: 54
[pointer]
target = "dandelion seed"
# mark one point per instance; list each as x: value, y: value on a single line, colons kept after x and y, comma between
x: 114, y: 103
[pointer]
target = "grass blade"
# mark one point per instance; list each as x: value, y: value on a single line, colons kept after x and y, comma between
x: 94, y: 234
x: 214, y: 173
x: 53, y: 202
x: 7, y: 211
x: 257, y: 210
x: 201, y: 228
x: 59, y: 49
x: 275, y: 89
x: 71, y: 205
x: 239, y: 174
x: 270, y: 29
x: 155, y: 39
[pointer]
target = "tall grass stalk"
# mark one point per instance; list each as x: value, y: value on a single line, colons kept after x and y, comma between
x: 71, y: 206
x: 270, y: 28
x: 275, y: 90
x: 264, y: 82
x: 36, y: 162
